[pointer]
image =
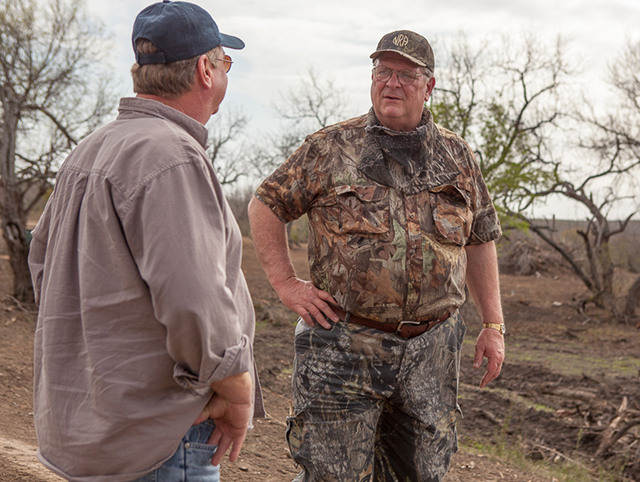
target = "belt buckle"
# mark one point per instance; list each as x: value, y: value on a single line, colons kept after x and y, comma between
x: 406, y: 322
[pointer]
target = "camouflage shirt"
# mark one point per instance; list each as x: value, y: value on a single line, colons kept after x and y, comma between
x: 389, y: 215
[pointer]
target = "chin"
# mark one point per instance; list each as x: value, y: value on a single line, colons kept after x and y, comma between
x: 392, y: 109
x: 391, y: 115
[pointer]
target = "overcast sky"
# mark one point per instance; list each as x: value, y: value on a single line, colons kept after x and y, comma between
x: 284, y: 38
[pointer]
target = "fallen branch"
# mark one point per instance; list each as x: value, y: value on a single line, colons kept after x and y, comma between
x: 569, y: 393
x: 628, y: 426
x: 561, y: 455
x: 581, y: 308
x: 490, y: 416
x: 609, y: 436
x: 19, y: 305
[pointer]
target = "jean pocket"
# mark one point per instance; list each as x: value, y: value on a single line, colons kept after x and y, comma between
x: 199, y: 454
x: 199, y: 434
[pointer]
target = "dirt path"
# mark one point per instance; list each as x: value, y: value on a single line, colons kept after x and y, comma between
x: 548, y: 349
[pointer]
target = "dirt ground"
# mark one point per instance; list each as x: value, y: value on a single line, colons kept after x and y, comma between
x: 565, y: 381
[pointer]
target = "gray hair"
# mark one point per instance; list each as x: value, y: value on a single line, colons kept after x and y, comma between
x: 169, y: 80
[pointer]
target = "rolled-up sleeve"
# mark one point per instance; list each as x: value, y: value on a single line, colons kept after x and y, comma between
x: 236, y: 359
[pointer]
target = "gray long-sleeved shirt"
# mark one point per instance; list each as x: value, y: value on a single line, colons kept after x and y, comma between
x: 142, y: 301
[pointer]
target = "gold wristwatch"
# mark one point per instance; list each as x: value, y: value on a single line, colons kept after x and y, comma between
x: 496, y: 326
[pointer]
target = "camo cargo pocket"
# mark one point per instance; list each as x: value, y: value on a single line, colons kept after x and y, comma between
x: 294, y: 434
x: 363, y: 209
x: 452, y: 215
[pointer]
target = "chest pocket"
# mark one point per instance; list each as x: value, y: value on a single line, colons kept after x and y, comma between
x: 452, y: 214
x: 363, y: 209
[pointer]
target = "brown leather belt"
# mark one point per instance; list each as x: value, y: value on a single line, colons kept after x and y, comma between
x: 404, y: 329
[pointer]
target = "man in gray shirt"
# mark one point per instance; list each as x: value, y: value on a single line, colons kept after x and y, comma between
x: 143, y: 347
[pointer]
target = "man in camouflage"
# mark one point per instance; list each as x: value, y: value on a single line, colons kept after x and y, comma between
x: 399, y: 219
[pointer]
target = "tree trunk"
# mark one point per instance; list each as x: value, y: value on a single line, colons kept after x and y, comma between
x: 14, y: 234
x: 598, y: 277
x: 610, y: 303
x: 606, y: 265
x: 12, y: 213
x: 633, y: 297
x: 606, y: 270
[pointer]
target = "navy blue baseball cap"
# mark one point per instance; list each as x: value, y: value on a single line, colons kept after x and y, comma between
x: 180, y: 31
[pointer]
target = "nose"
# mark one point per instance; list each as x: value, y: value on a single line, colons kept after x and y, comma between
x: 393, y: 80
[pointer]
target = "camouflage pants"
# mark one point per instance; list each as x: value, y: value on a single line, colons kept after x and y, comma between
x: 371, y: 406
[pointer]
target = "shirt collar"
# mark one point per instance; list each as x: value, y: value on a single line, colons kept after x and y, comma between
x: 137, y: 105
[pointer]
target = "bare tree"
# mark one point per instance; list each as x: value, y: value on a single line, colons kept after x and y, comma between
x: 315, y: 99
x: 593, y: 263
x: 315, y: 103
x: 504, y: 99
x: 458, y: 96
x: 273, y: 148
x: 226, y: 149
x: 509, y: 104
x: 52, y: 93
x: 612, y: 178
x: 619, y: 140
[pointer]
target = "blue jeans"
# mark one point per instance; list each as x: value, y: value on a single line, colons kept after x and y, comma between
x: 192, y: 460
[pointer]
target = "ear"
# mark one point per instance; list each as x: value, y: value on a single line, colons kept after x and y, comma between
x: 430, y: 86
x: 204, y: 71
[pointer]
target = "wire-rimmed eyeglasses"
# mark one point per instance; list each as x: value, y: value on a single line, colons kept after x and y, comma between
x: 405, y: 77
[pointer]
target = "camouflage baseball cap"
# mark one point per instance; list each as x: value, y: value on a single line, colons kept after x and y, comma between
x: 408, y: 44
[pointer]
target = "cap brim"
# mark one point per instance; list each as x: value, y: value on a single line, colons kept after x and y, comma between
x: 413, y: 59
x: 231, y: 42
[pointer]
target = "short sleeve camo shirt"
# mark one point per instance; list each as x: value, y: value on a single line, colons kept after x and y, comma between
x: 386, y: 241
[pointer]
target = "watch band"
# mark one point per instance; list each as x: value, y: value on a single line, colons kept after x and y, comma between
x: 496, y: 326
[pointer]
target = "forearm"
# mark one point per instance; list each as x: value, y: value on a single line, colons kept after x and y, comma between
x: 483, y: 281
x: 236, y: 389
x: 484, y: 286
x: 270, y: 241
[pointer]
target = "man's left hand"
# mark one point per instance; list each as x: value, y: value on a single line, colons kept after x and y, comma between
x: 231, y: 408
x: 232, y: 421
x: 490, y: 344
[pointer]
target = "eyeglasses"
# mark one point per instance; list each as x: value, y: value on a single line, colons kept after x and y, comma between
x: 227, y: 63
x: 405, y: 77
